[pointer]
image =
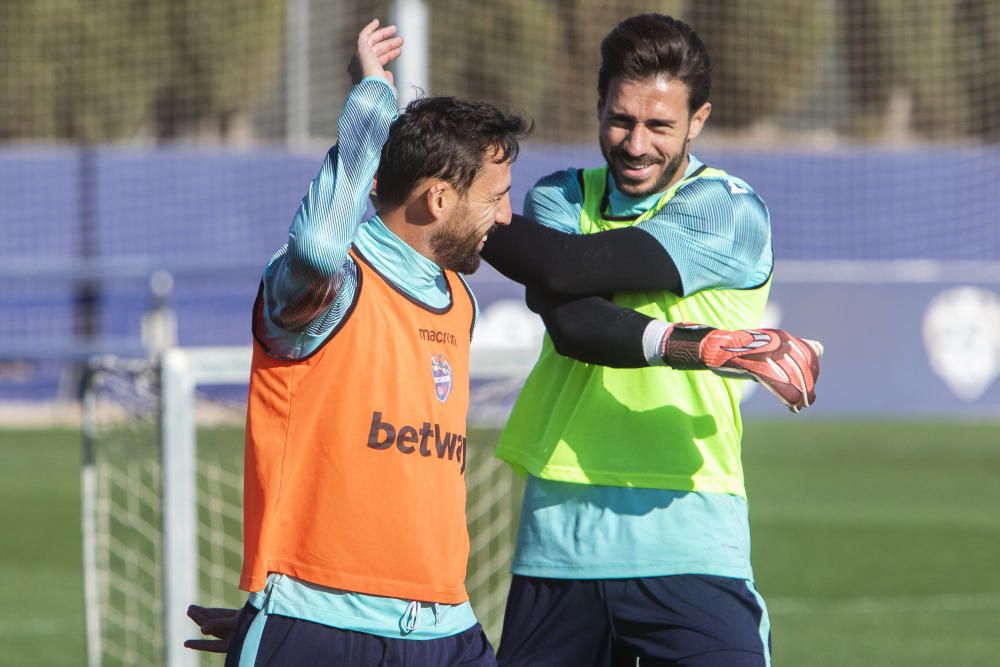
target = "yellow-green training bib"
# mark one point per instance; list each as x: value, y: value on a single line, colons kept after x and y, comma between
x: 649, y: 427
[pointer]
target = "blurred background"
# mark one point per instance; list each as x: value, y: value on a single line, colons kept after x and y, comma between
x: 153, y: 153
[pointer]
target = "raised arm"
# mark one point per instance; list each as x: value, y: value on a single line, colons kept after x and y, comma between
x: 307, y: 277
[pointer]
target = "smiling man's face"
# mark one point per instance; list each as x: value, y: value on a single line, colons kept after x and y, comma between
x: 457, y: 243
x: 645, y: 129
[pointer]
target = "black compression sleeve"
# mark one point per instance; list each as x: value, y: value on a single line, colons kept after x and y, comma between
x: 591, y: 329
x: 619, y: 260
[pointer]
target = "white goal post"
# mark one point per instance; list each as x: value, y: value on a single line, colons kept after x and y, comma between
x: 180, y: 373
x: 159, y: 516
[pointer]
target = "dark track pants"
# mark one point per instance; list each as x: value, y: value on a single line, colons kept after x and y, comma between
x: 676, y: 621
x: 292, y: 642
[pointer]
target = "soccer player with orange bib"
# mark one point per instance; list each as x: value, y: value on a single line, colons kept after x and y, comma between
x: 355, y: 542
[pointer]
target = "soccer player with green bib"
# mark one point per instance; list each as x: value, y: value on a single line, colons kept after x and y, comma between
x: 634, y: 541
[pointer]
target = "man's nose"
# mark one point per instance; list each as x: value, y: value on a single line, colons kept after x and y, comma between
x: 636, y: 141
x: 504, y: 212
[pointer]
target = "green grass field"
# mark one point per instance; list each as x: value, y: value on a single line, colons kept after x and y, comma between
x: 875, y: 543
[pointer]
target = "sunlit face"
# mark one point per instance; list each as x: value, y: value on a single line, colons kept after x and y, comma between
x: 486, y: 204
x: 645, y: 129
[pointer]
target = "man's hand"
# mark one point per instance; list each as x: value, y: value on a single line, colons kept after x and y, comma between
x: 377, y: 47
x: 787, y: 366
x: 215, y: 622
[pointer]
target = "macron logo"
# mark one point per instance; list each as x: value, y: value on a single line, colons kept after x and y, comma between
x: 435, y: 336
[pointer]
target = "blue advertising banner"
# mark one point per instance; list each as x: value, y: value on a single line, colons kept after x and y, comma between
x: 891, y: 348
x: 914, y: 345
x: 917, y: 350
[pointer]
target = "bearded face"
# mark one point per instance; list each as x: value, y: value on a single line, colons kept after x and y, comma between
x: 457, y: 243
x: 645, y: 128
x: 643, y: 175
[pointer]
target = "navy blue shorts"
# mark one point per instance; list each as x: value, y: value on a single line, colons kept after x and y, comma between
x: 684, y: 620
x: 293, y: 642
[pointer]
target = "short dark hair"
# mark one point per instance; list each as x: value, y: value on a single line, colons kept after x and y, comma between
x: 446, y: 138
x: 647, y: 45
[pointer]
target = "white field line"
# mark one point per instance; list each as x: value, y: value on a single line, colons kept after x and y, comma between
x: 901, y: 604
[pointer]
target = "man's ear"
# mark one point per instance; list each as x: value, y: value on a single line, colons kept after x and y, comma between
x: 698, y: 120
x: 440, y: 198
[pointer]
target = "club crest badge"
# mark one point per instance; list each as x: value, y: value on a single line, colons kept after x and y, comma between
x: 441, y: 372
x: 962, y: 338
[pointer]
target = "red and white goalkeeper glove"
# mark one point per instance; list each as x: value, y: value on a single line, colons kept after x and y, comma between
x: 787, y: 366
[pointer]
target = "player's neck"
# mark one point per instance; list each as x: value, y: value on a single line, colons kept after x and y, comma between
x: 679, y: 175
x: 410, y: 226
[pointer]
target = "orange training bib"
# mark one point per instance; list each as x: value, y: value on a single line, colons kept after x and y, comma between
x: 355, y: 456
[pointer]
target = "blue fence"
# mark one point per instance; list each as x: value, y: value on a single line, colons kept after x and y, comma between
x: 213, y: 219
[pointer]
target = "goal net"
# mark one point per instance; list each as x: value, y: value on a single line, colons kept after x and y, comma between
x: 868, y: 126
x: 162, y: 484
